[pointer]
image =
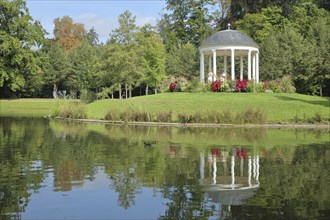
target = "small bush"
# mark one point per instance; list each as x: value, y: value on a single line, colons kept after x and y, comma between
x: 213, y: 117
x: 287, y: 85
x: 252, y: 116
x: 198, y: 118
x: 126, y: 116
x: 196, y: 86
x: 74, y: 110
x: 185, y: 118
x: 141, y: 116
x: 240, y: 85
x: 164, y: 116
x: 112, y: 115
x: 87, y: 96
x: 227, y: 117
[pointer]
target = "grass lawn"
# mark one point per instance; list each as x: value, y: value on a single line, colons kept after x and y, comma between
x: 26, y: 107
x: 278, y: 107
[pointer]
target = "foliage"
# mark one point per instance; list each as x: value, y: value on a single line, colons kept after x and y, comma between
x: 20, y: 66
x: 215, y: 86
x: 67, y: 33
x: 164, y: 116
x: 186, y: 22
x: 57, y: 67
x: 126, y: 33
x: 87, y: 96
x: 154, y: 55
x: 69, y: 109
x: 182, y: 61
x: 240, y: 85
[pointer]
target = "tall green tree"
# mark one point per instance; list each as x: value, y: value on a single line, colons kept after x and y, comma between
x: 126, y: 32
x: 154, y: 55
x: 81, y: 75
x: 57, y: 68
x: 20, y: 35
x: 188, y: 19
x: 182, y: 61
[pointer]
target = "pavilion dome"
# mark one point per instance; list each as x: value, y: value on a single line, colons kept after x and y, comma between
x: 229, y: 38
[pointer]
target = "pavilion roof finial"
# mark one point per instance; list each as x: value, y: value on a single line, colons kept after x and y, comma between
x: 228, y: 26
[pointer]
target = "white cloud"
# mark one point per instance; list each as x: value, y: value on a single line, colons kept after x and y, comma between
x: 102, y: 25
x: 146, y: 20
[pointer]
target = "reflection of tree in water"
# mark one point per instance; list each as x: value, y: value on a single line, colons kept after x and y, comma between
x: 297, y: 189
x: 68, y: 174
x: 20, y: 173
x: 127, y: 186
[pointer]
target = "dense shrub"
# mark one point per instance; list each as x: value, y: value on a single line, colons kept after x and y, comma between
x: 185, y: 118
x: 112, y: 115
x: 164, y: 116
x: 74, y: 110
x: 240, y: 85
x: 215, y: 86
x: 87, y: 96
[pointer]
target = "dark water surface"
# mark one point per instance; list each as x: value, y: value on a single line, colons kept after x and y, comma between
x: 60, y: 170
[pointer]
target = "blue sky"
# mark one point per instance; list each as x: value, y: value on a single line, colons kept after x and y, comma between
x: 102, y: 14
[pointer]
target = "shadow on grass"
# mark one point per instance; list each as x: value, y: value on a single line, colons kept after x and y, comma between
x: 325, y: 102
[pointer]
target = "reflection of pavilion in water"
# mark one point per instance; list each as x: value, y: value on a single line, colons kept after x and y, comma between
x: 232, y: 177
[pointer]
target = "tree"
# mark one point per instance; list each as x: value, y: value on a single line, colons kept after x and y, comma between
x: 182, y: 61
x: 126, y: 32
x: 258, y: 26
x: 81, y: 74
x: 19, y: 36
x: 67, y: 33
x: 188, y: 19
x: 57, y: 67
x: 154, y: 55
x: 92, y: 37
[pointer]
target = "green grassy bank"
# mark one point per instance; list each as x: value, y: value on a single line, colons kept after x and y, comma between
x: 26, y: 107
x: 278, y: 108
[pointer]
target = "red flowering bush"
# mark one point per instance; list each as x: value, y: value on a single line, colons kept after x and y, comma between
x: 215, y: 86
x: 175, y: 87
x: 240, y: 85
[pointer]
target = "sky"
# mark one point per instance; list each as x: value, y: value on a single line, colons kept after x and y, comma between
x: 100, y: 14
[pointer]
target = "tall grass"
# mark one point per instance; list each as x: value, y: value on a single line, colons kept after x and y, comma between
x: 249, y: 116
x: 67, y: 109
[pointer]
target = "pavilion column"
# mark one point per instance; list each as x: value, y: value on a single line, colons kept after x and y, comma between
x: 232, y: 172
x: 249, y: 65
x: 254, y: 67
x: 225, y: 65
x: 249, y: 171
x: 201, y: 66
x: 241, y: 68
x: 257, y: 67
x: 202, y: 165
x: 210, y: 63
x: 232, y: 64
x: 214, y: 169
x: 214, y: 65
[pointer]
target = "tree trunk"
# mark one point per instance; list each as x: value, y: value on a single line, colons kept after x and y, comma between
x: 55, y: 92
x: 321, y: 92
x: 130, y: 91
x: 155, y: 88
x: 147, y: 88
x: 111, y: 95
x: 120, y: 92
x: 125, y: 90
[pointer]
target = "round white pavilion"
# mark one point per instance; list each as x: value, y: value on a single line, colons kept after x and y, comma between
x: 230, y: 43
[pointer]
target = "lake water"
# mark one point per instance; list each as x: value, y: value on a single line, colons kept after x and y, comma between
x: 61, y: 170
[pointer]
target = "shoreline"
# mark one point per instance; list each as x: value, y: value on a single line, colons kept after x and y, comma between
x: 198, y: 125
